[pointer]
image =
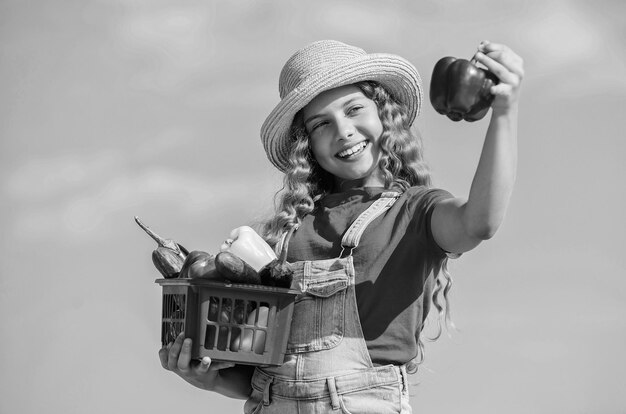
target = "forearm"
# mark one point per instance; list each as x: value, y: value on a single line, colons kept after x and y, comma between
x: 494, y: 178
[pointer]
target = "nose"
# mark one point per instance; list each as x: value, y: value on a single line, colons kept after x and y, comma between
x: 345, y: 129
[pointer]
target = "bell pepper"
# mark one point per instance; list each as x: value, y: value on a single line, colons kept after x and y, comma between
x: 461, y: 90
x: 199, y: 265
x: 246, y: 244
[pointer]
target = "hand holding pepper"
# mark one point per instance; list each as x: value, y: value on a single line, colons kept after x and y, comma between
x: 460, y: 89
x: 508, y: 67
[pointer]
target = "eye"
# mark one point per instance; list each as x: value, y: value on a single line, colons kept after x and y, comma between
x: 353, y: 110
x: 318, y: 125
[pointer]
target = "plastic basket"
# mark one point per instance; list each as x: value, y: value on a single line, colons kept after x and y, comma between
x: 227, y: 321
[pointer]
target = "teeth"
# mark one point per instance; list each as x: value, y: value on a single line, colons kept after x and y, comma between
x: 358, y: 147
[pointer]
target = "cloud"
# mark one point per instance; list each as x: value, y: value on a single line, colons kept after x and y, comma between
x: 572, y: 51
x: 42, y: 179
x: 175, y: 43
x: 564, y: 34
x: 77, y: 195
x: 88, y: 213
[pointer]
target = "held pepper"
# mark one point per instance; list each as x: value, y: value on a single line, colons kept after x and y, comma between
x: 461, y: 90
x: 246, y: 244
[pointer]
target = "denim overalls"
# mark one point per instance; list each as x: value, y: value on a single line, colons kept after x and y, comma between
x: 327, y: 367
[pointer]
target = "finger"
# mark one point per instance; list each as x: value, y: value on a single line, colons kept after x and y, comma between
x: 163, y: 356
x: 175, y: 351
x: 504, y: 55
x: 490, y: 47
x: 487, y: 46
x: 497, y: 68
x: 184, y: 358
x: 217, y: 365
x: 512, y: 62
x: 203, y: 366
x: 206, y: 364
x: 501, y: 89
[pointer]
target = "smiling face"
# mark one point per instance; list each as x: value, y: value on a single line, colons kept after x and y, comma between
x: 344, y: 129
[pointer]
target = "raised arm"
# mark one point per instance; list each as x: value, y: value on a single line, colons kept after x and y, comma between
x: 459, y: 225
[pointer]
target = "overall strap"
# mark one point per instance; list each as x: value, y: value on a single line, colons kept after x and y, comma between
x: 353, y: 235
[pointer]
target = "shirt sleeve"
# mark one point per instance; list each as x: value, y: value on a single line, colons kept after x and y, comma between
x: 422, y: 202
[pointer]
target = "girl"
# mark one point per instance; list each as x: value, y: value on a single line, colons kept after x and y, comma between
x: 370, y: 237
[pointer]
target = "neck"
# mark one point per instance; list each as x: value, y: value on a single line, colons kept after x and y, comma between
x: 373, y: 180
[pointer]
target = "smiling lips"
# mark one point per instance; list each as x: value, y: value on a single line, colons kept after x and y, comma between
x: 356, y: 149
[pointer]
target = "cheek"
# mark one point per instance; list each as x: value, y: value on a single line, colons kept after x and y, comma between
x: 319, y: 149
x: 315, y: 151
x: 375, y: 127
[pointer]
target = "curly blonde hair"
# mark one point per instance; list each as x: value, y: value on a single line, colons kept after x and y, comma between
x: 402, y: 166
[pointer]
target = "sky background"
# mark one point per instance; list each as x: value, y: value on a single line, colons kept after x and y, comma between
x: 111, y: 109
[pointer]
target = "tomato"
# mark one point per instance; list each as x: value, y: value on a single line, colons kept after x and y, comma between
x: 200, y: 265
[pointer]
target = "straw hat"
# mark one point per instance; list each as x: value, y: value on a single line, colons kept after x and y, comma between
x: 325, y: 65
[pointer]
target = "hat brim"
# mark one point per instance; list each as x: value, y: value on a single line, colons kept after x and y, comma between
x: 395, y: 73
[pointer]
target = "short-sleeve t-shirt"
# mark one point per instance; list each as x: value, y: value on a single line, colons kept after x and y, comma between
x: 393, y: 263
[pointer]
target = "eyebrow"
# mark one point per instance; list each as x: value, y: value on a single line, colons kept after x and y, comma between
x: 346, y: 103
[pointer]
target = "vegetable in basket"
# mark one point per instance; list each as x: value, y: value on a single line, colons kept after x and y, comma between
x: 248, y: 341
x: 168, y: 258
x: 246, y: 244
x: 235, y: 269
x: 200, y: 265
x: 279, y: 272
x: 241, y: 339
x: 234, y: 260
x: 167, y: 262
